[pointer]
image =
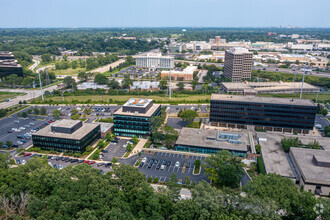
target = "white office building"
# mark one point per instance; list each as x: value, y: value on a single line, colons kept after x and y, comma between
x: 155, y: 61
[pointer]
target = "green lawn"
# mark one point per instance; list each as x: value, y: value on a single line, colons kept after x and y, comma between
x: 124, y: 98
x: 11, y: 95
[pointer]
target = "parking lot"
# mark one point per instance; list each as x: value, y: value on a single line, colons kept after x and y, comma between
x: 177, y: 108
x: 115, y: 150
x: 63, y: 164
x: 163, y: 175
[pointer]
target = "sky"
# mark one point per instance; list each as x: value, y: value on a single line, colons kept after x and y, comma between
x: 164, y: 13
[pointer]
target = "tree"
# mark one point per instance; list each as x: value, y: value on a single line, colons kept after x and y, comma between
x: 180, y: 86
x: 129, y: 147
x: 75, y: 116
x: 83, y: 76
x: 43, y: 111
x: 197, y: 164
x: 113, y: 84
x: 289, y: 142
x: 108, y: 137
x: 65, y: 57
x: 70, y: 83
x: 88, y: 111
x: 114, y: 160
x: 46, y: 57
x: 296, y: 203
x: 56, y: 113
x: 163, y: 84
x: 188, y: 115
x: 187, y: 180
x: 74, y: 64
x: 156, y: 180
x: 324, y: 111
x: 24, y: 115
x: 74, y: 111
x: 224, y: 169
x: 101, y: 79
x: 36, y: 111
x: 9, y: 143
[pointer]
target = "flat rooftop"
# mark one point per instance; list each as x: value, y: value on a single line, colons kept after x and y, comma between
x: 136, y: 102
x: 208, y: 138
x: 65, y: 123
x: 77, y: 135
x: 311, y: 172
x: 265, y: 100
x: 274, y: 157
x: 149, y: 113
x: 267, y: 85
x: 238, y: 50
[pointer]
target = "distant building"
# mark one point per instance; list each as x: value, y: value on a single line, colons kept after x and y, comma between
x: 267, y: 87
x: 91, y: 85
x: 316, y: 61
x: 185, y: 74
x: 313, y: 167
x: 238, y: 64
x: 10, y: 66
x: 211, y: 141
x: 305, y: 47
x: 155, y: 61
x: 198, y: 45
x: 67, y: 136
x: 135, y: 117
x: 176, y: 48
x: 145, y: 86
x: 273, y: 114
x: 5, y: 55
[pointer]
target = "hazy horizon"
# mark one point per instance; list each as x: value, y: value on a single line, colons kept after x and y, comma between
x: 171, y: 13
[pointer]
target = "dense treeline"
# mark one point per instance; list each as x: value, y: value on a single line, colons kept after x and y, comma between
x: 85, y: 41
x: 39, y: 191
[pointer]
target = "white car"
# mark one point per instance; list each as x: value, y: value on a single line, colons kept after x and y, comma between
x: 177, y: 164
x: 19, y: 142
x: 23, y: 162
x: 22, y: 128
x: 50, y: 164
x: 162, y: 167
x: 144, y: 160
x: 18, y: 130
x: 60, y: 167
x: 31, y: 123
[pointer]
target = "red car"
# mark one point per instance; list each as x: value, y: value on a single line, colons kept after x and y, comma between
x: 86, y: 161
x: 91, y: 162
x: 27, y: 154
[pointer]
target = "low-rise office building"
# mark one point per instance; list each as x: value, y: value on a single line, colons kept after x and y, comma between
x: 67, y: 136
x: 6, y: 55
x: 145, y: 86
x: 313, y: 169
x: 155, y: 61
x: 136, y: 117
x: 211, y: 141
x: 185, y: 74
x: 267, y: 87
x: 273, y: 114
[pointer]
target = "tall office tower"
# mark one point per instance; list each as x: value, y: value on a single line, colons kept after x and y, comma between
x: 238, y: 64
x: 217, y: 39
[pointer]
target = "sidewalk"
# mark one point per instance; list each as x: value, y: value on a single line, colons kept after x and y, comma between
x: 139, y: 147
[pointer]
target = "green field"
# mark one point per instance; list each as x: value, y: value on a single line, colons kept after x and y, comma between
x: 7, y: 95
x: 69, y: 71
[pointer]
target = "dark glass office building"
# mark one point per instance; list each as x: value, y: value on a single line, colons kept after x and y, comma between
x: 136, y: 117
x: 275, y: 114
x: 67, y: 136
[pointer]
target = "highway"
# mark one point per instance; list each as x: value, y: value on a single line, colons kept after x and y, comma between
x: 106, y: 68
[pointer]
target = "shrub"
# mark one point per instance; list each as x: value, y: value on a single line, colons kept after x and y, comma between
x: 258, y: 149
x: 261, y: 166
x: 149, y: 179
x: 155, y: 180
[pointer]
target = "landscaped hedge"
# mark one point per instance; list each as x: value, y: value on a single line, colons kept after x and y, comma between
x: 261, y: 166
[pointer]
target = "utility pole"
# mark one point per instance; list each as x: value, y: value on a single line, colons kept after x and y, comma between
x: 42, y: 94
x: 170, y: 83
x: 302, y: 82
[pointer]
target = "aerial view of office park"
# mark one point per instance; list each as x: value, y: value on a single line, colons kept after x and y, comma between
x: 138, y: 110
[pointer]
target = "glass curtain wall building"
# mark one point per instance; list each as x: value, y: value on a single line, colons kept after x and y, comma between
x: 67, y: 136
x: 263, y: 112
x: 136, y: 118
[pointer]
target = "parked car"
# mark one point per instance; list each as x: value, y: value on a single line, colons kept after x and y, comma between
x: 27, y: 154
x: 23, y: 162
x: 150, y: 165
x: 158, y: 167
x: 177, y: 164
x: 100, y: 164
x: 168, y: 163
x: 60, y: 166
x: 86, y: 161
x: 80, y: 161
x: 104, y: 151
x: 108, y: 164
x: 187, y: 165
x: 164, y: 162
x: 141, y: 164
x: 162, y: 167
x: 144, y: 160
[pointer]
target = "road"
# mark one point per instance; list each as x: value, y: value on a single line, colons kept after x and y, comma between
x: 36, y: 63
x: 30, y: 94
x: 106, y: 68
